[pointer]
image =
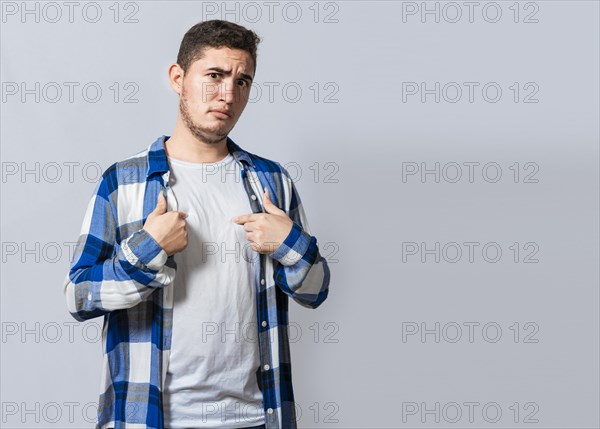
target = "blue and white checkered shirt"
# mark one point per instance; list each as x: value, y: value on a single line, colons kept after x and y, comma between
x: 120, y: 272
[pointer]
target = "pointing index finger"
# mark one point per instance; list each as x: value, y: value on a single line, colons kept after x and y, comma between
x: 242, y: 219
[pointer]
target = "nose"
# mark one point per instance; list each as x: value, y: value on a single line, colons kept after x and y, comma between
x: 226, y: 91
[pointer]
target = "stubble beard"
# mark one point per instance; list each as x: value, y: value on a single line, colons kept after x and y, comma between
x: 203, y: 134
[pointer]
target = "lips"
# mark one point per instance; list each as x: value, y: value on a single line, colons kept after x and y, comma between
x: 221, y: 113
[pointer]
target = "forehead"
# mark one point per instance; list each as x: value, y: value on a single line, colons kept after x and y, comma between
x: 224, y: 57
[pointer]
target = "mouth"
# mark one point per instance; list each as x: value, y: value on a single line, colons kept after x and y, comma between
x: 221, y: 114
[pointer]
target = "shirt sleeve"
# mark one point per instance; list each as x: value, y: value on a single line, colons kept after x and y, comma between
x: 300, y: 271
x: 105, y: 275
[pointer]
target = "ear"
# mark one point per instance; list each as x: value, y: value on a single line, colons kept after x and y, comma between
x: 176, y: 76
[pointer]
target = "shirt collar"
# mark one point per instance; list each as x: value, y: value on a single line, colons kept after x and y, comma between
x: 157, y: 157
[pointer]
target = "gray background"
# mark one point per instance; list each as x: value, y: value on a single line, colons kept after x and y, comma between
x: 358, y: 372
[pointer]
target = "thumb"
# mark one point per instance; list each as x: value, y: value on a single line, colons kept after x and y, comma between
x: 268, y: 204
x: 161, y: 204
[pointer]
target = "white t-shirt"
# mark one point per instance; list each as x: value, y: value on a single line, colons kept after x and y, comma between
x: 211, y: 379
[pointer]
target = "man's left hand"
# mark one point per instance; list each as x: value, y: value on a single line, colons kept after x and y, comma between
x: 266, y: 231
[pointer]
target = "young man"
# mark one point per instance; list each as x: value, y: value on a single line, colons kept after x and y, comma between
x: 190, y: 250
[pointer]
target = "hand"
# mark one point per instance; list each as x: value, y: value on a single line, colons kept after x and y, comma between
x: 266, y: 231
x: 167, y: 228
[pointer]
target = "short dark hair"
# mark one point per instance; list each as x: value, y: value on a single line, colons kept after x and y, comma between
x: 215, y: 33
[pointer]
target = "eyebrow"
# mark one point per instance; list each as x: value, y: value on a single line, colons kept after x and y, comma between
x: 227, y: 72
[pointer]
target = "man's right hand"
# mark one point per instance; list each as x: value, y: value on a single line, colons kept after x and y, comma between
x: 167, y: 228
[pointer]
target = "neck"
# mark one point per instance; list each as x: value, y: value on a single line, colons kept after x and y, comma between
x: 185, y: 146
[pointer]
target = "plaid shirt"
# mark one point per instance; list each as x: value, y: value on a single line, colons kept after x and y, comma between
x: 120, y: 272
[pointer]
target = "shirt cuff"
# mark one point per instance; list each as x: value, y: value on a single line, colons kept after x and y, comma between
x: 142, y: 251
x: 293, y: 247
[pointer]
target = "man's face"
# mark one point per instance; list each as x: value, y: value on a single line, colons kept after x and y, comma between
x: 220, y: 80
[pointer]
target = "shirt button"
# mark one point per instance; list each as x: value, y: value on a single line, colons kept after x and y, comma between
x: 262, y: 281
x: 89, y: 296
x: 264, y: 323
x: 253, y: 197
x: 270, y: 410
x: 266, y: 367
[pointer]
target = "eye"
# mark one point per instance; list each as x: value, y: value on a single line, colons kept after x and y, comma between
x: 214, y: 74
x: 243, y: 82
